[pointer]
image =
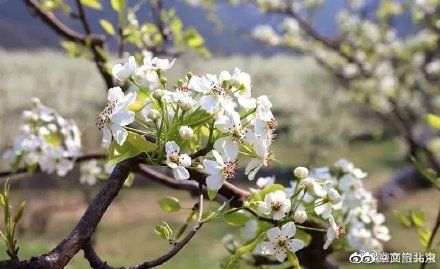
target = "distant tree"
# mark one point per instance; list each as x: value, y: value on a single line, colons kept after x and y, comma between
x: 395, y: 74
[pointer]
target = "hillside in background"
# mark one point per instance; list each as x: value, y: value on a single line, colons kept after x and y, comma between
x: 20, y: 30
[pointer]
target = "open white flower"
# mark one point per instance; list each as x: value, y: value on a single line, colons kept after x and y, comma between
x: 276, y: 204
x: 265, y: 181
x: 262, y: 158
x: 215, y: 96
x: 52, y: 160
x: 158, y: 64
x: 263, y: 111
x: 330, y: 200
x: 90, y: 172
x: 281, y: 241
x: 115, y: 116
x: 123, y: 71
x: 176, y: 161
x: 333, y: 232
x: 224, y: 165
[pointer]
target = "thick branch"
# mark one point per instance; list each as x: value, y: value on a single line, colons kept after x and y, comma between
x: 83, y: 231
x: 96, y: 263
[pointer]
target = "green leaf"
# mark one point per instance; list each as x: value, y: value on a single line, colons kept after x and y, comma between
x: 403, y: 218
x: 197, y: 118
x: 212, y: 194
x: 433, y: 121
x: 95, y: 4
x: 20, y: 212
x: 293, y: 259
x: 73, y: 50
x: 424, y: 236
x: 129, y: 180
x: 169, y: 204
x: 136, y: 106
x: 139, y: 142
x: 107, y: 26
x: 213, y: 215
x: 118, y: 5
x: 245, y: 249
x: 164, y: 231
x: 119, y: 153
x: 237, y: 218
x: 418, y: 218
x: 134, y: 145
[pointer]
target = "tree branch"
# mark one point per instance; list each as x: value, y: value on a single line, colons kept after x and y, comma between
x: 68, y: 33
x: 83, y: 231
x: 96, y: 263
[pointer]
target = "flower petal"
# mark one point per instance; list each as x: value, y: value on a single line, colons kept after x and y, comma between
x: 180, y: 173
x: 214, y: 182
x: 295, y: 244
x: 273, y: 234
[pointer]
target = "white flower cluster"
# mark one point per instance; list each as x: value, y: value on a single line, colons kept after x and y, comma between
x: 358, y: 211
x: 333, y: 194
x: 238, y: 121
x: 91, y: 171
x: 45, y: 140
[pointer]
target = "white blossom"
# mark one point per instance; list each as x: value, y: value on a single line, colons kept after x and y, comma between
x: 176, y: 161
x: 115, y: 116
x: 276, y: 204
x: 265, y: 181
x: 281, y: 241
x: 334, y: 231
x: 123, y: 71
x: 90, y: 172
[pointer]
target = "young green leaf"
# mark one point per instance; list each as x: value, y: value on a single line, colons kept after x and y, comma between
x: 169, y: 204
x: 95, y: 4
x: 107, y: 26
x: 433, y: 121
x: 403, y: 218
x: 245, y: 249
x: 293, y: 259
x: 424, y: 236
x: 237, y: 218
x: 212, y: 194
x: 134, y: 145
x: 20, y: 212
x: 129, y: 180
x: 118, y: 5
x: 418, y: 217
x: 164, y: 231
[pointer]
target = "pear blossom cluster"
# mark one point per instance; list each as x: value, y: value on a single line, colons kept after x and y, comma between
x: 216, y: 112
x: 93, y: 170
x: 335, y: 195
x: 366, y: 228
x: 45, y: 140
